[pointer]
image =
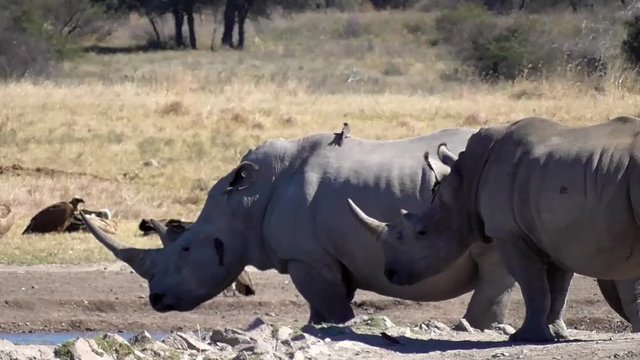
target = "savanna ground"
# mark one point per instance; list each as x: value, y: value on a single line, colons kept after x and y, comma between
x: 90, y: 131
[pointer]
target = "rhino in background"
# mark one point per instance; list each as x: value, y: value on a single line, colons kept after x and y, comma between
x: 283, y: 208
x: 555, y: 199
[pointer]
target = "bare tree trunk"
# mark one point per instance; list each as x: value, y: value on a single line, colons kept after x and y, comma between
x: 178, y: 18
x: 152, y: 21
x: 188, y: 9
x: 229, y: 23
x: 242, y: 17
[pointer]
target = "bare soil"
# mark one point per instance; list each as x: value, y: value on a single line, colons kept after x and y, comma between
x: 110, y: 297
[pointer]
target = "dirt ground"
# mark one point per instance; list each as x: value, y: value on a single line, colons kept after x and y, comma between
x: 110, y: 297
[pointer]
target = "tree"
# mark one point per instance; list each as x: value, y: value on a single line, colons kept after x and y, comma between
x: 235, y: 10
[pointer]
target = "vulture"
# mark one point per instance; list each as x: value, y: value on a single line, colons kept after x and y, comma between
x: 6, y: 219
x: 170, y: 230
x: 54, y: 218
x: 101, y: 218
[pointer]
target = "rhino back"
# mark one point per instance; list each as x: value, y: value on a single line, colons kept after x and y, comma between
x: 308, y: 218
x: 567, y: 188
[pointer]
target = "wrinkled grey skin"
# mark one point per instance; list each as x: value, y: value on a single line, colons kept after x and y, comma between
x: 283, y: 208
x: 555, y: 199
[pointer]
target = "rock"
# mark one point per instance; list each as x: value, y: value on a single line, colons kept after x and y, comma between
x: 433, y: 326
x: 175, y: 342
x: 283, y: 333
x: 500, y: 355
x: 150, y: 163
x: 463, y: 325
x: 18, y: 352
x: 377, y: 322
x: 141, y: 339
x: 193, y: 343
x: 231, y: 337
x: 503, y: 329
x: 87, y: 349
x: 117, y: 346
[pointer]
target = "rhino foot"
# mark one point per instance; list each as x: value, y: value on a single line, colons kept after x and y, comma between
x: 559, y: 330
x: 532, y: 334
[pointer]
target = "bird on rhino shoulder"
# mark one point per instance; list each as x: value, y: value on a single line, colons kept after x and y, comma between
x: 283, y: 208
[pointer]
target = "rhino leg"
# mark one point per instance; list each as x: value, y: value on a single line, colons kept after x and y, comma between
x: 528, y: 267
x: 559, y: 281
x: 492, y: 293
x: 328, y: 296
x: 629, y: 292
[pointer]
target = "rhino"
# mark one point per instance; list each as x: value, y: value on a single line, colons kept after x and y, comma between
x: 556, y: 200
x: 282, y: 208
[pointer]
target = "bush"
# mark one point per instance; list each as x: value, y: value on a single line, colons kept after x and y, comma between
x: 508, y: 54
x: 24, y: 56
x: 631, y: 43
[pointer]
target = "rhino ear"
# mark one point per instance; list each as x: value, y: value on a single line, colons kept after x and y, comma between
x: 446, y: 156
x: 243, y: 177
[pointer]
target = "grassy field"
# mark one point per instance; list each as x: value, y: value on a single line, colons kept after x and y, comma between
x: 197, y: 112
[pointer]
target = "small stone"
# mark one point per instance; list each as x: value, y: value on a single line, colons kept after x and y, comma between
x: 193, y: 343
x: 503, y: 329
x: 176, y: 342
x: 231, y: 337
x: 499, y: 355
x: 463, y: 325
x: 284, y: 333
x: 150, y: 163
x: 433, y: 326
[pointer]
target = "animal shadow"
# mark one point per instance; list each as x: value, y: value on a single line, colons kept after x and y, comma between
x: 407, y: 345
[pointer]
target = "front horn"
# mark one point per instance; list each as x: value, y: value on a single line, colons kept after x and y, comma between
x: 138, y: 259
x: 374, y: 226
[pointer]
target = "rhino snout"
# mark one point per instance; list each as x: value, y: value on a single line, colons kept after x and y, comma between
x: 157, y: 301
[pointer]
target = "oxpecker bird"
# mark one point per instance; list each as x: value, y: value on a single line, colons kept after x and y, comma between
x: 54, y: 218
x: 343, y: 134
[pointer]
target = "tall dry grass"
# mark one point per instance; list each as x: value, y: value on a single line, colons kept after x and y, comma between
x: 196, y: 113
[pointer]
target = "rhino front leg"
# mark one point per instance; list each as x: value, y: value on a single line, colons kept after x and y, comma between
x: 492, y: 294
x: 559, y: 281
x: 328, y: 296
x: 528, y: 266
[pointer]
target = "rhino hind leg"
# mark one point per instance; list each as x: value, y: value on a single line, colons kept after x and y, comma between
x: 328, y: 298
x: 528, y: 267
x: 629, y: 293
x: 492, y: 293
x: 559, y: 281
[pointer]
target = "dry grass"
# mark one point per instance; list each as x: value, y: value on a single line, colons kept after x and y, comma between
x: 108, y: 115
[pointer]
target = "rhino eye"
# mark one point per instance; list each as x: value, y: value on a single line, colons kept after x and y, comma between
x: 422, y: 233
x: 185, y: 248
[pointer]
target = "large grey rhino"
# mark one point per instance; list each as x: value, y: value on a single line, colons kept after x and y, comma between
x: 555, y: 199
x: 283, y: 208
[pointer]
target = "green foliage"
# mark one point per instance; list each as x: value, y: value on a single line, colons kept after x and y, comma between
x: 63, y: 351
x: 465, y: 20
x: 631, y: 43
x: 508, y: 54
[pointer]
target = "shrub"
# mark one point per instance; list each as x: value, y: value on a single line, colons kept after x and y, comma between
x: 458, y: 24
x: 631, y: 43
x: 24, y: 56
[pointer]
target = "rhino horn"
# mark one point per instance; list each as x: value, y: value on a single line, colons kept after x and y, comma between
x: 138, y: 259
x: 161, y: 230
x: 374, y: 226
x: 446, y: 156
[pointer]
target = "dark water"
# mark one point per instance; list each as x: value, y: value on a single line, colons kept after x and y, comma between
x: 48, y: 338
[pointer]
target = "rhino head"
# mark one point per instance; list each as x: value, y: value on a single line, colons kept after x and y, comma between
x: 195, y: 265
x: 422, y: 245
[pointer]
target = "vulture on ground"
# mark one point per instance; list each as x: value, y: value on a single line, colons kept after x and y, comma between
x: 54, y: 218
